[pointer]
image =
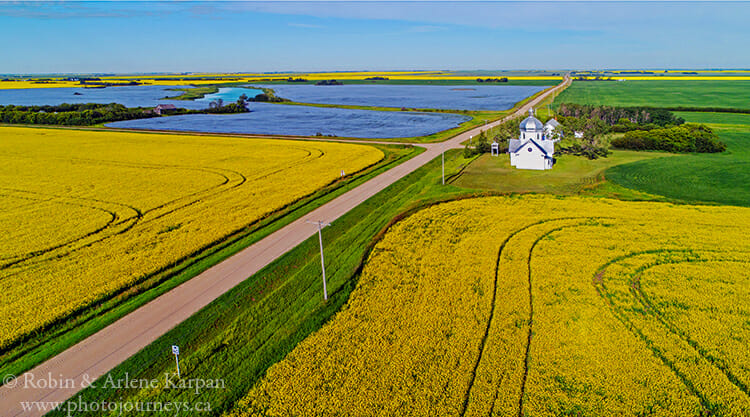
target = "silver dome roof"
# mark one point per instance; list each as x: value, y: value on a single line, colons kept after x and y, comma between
x: 531, y: 122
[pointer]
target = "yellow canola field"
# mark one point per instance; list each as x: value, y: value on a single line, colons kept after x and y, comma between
x: 194, y: 79
x: 535, y: 305
x: 88, y: 213
x: 15, y: 85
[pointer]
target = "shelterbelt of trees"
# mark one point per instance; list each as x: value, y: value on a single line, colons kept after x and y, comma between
x: 87, y: 114
x: 689, y: 137
x: 645, y: 128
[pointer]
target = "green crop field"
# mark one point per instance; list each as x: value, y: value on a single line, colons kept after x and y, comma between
x: 692, y: 93
x: 719, y: 178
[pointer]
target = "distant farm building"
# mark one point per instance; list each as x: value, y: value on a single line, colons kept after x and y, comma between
x: 533, y: 150
x: 161, y: 107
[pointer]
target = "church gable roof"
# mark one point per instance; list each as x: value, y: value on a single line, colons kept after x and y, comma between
x: 515, y: 145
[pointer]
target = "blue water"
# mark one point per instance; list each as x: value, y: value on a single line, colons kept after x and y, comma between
x: 131, y: 96
x: 279, y: 119
x: 230, y: 94
x: 272, y: 119
x: 449, y: 97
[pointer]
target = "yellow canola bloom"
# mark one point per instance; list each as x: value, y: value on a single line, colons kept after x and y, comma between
x: 15, y: 85
x: 559, y: 306
x: 195, y: 79
x: 86, y: 213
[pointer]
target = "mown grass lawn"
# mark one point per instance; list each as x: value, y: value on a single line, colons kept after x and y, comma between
x: 570, y: 175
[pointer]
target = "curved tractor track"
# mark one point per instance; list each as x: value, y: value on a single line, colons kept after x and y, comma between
x: 578, y: 222
x: 697, y: 358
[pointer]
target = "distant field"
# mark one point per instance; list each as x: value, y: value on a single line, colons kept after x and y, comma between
x: 394, y: 77
x: 720, y: 178
x: 534, y: 306
x: 86, y: 214
x: 723, y: 94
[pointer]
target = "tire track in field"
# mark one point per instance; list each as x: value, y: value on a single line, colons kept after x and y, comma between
x: 238, y: 179
x: 197, y: 197
x: 230, y: 176
x: 17, y: 258
x: 117, y: 220
x: 137, y: 218
x: 588, y: 222
x: 490, y: 320
x: 637, y: 293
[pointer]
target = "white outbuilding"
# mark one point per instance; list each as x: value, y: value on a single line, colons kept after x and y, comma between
x: 532, y: 150
x: 552, y: 130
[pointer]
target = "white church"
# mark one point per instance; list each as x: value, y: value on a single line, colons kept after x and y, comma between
x: 535, y: 148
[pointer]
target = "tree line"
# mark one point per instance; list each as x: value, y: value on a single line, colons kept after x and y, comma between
x: 689, y: 137
x: 614, y: 115
x: 645, y: 128
x: 492, y: 80
x: 87, y: 114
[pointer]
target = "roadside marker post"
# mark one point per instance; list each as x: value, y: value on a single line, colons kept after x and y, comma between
x: 321, y: 224
x: 176, y: 353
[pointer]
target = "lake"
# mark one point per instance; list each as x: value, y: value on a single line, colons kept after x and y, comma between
x: 130, y: 96
x: 279, y: 119
x: 448, y: 97
x: 264, y: 118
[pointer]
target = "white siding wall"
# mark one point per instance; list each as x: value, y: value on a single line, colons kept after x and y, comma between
x: 529, y: 160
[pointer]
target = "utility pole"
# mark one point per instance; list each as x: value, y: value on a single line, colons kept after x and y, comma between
x: 321, y: 224
x: 442, y: 158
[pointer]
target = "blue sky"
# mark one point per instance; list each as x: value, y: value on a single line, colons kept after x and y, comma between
x: 315, y: 36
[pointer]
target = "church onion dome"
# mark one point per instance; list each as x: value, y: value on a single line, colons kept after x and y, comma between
x: 531, y: 123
